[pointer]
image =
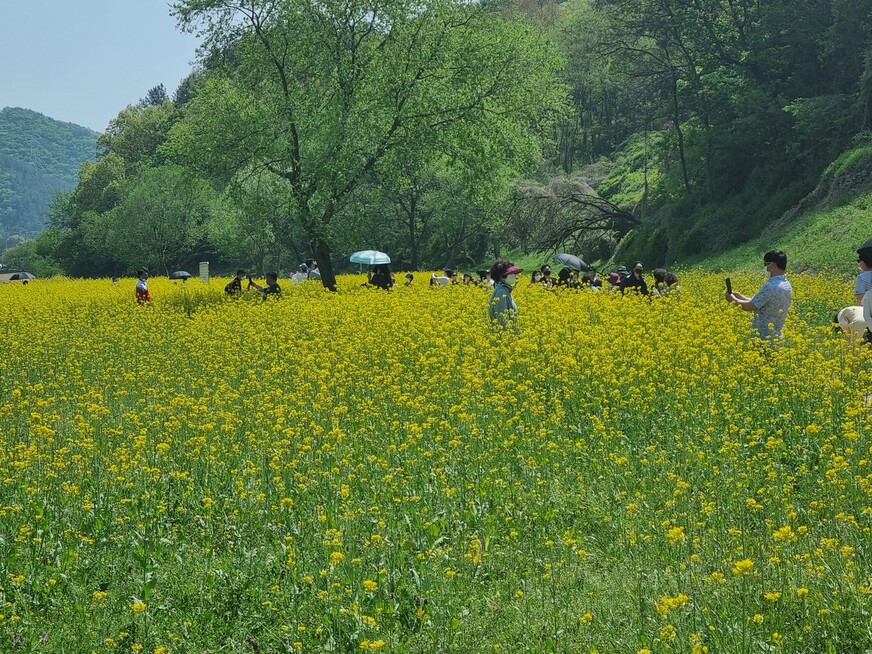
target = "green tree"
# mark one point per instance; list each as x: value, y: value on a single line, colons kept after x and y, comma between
x: 159, y: 224
x: 253, y: 211
x: 137, y: 133
x: 155, y: 97
x: 319, y: 94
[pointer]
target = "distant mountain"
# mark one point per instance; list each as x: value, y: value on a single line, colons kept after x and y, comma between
x: 38, y: 157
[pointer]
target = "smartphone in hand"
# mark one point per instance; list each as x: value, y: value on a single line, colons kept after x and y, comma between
x: 729, y: 285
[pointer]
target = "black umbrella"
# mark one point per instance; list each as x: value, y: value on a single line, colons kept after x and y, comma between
x: 22, y: 276
x: 181, y: 274
x: 570, y: 261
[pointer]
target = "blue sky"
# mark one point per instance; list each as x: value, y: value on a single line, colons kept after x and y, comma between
x: 83, y: 61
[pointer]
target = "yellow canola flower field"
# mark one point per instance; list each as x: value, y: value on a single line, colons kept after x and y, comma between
x: 380, y: 470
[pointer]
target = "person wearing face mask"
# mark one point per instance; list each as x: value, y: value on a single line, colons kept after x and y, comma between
x: 547, y: 278
x: 501, y: 308
x: 635, y: 281
x: 772, y: 301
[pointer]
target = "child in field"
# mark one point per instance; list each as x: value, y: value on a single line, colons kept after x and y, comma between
x: 234, y: 287
x: 143, y: 295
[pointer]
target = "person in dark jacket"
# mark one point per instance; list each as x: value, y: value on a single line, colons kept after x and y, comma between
x: 381, y: 278
x: 272, y: 285
x: 234, y: 287
x: 635, y: 281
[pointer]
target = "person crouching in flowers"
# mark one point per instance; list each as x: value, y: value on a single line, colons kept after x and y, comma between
x: 501, y: 308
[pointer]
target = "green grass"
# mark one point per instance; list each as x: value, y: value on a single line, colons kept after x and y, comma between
x: 824, y: 239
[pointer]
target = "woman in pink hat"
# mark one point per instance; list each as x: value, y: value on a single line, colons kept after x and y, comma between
x: 501, y: 308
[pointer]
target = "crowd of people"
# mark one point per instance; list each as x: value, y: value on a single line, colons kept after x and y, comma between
x: 769, y: 305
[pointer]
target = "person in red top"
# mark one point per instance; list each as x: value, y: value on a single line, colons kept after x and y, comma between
x: 143, y: 295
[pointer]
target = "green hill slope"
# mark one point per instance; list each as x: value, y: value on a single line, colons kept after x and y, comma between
x: 823, y: 239
x: 824, y: 230
x: 38, y: 157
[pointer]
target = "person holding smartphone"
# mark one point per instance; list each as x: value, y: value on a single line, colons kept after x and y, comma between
x: 272, y: 286
x: 771, y: 303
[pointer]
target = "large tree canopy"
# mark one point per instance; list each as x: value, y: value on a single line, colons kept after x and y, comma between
x: 319, y: 93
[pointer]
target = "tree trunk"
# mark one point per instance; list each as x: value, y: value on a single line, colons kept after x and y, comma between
x: 412, y: 217
x: 325, y: 266
x: 677, y: 120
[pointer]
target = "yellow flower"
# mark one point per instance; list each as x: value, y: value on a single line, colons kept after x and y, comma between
x: 370, y: 586
x: 667, y: 633
x: 98, y: 595
x: 784, y: 534
x: 743, y: 567
x: 801, y: 592
x: 336, y: 558
x: 587, y: 618
x: 676, y: 535
x: 665, y: 604
x: 138, y: 607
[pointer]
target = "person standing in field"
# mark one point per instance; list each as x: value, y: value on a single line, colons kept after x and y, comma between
x: 313, y: 272
x: 772, y: 301
x: 143, y: 295
x: 863, y: 283
x: 501, y: 308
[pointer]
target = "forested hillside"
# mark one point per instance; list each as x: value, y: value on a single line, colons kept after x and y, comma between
x: 38, y: 157
x: 619, y: 129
